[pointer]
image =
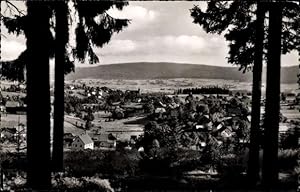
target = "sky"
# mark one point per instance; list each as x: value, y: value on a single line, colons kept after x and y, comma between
x: 158, y: 32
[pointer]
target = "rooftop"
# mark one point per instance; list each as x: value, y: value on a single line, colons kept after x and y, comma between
x: 85, y: 138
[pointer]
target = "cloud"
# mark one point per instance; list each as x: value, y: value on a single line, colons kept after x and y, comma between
x: 11, y: 49
x: 138, y: 15
x: 134, y: 13
x: 182, y: 44
x: 181, y: 48
x: 119, y: 46
x: 290, y: 59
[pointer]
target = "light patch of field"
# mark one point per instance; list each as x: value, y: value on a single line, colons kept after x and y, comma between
x: 5, y: 93
x: 120, y: 128
x: 171, y: 85
x: 70, y: 125
x: 290, y: 113
x: 12, y: 120
x: 116, y: 124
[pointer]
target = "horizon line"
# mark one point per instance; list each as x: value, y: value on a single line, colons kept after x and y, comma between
x: 165, y: 62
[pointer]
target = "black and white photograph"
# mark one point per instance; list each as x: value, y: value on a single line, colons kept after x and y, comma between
x: 142, y: 96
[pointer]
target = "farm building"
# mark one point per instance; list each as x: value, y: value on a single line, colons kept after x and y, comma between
x: 68, y: 139
x: 106, y: 140
x: 15, y: 107
x: 2, y: 108
x: 8, y: 133
x: 128, y: 132
x: 82, y: 142
x: 133, y: 109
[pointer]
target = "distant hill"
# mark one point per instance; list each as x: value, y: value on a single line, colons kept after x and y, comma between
x: 145, y: 70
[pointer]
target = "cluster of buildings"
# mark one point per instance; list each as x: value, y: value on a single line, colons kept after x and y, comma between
x: 107, y: 140
x: 13, y: 107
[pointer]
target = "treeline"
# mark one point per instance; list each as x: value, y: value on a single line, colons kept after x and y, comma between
x: 204, y: 90
x: 14, y: 88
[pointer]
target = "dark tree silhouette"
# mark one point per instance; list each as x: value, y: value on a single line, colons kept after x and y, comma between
x: 240, y: 14
x: 253, y: 163
x: 89, y: 33
x: 38, y: 95
x: 61, y: 40
x: 240, y: 17
x: 270, y: 155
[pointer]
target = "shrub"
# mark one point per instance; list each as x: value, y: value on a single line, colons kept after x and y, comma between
x: 111, y: 163
x: 80, y: 184
x: 230, y: 165
x: 287, y: 159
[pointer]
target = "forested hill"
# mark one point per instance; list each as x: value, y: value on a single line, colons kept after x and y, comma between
x: 144, y: 70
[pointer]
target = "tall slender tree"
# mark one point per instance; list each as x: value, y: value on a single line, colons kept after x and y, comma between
x: 253, y: 163
x: 247, y: 30
x: 95, y: 28
x: 38, y: 95
x: 237, y: 20
x: 89, y: 33
x: 270, y: 155
x: 61, y: 40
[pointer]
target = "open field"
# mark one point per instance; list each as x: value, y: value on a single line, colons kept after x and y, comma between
x: 170, y: 85
x: 12, y: 120
x: 122, y: 128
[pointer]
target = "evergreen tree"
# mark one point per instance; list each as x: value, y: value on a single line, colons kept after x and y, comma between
x: 270, y: 155
x: 242, y: 23
x: 61, y: 61
x: 253, y: 163
x: 38, y: 95
x: 89, y: 33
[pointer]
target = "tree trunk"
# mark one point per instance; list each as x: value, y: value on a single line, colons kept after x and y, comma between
x: 0, y: 30
x: 60, y: 42
x: 270, y: 155
x: 253, y: 163
x: 38, y: 95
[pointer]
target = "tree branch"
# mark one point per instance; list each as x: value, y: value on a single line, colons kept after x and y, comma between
x: 11, y: 5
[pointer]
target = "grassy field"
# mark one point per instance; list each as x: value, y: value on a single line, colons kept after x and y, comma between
x: 122, y: 128
x: 170, y: 85
x: 12, y: 120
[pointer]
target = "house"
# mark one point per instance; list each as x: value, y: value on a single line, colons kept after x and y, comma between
x: 160, y: 110
x: 107, y: 140
x: 11, y: 106
x: 82, y: 142
x: 2, y: 108
x: 199, y: 127
x: 8, y: 133
x: 15, y: 107
x: 133, y: 109
x: 68, y: 139
x: 226, y: 133
x: 283, y: 127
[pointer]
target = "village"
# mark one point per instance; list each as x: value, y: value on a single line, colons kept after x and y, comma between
x: 193, y: 132
x: 100, y: 118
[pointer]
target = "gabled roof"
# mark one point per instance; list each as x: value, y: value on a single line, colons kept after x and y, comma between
x: 133, y: 106
x: 12, y: 104
x: 107, y: 137
x: 10, y: 130
x: 160, y: 110
x: 86, y: 139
